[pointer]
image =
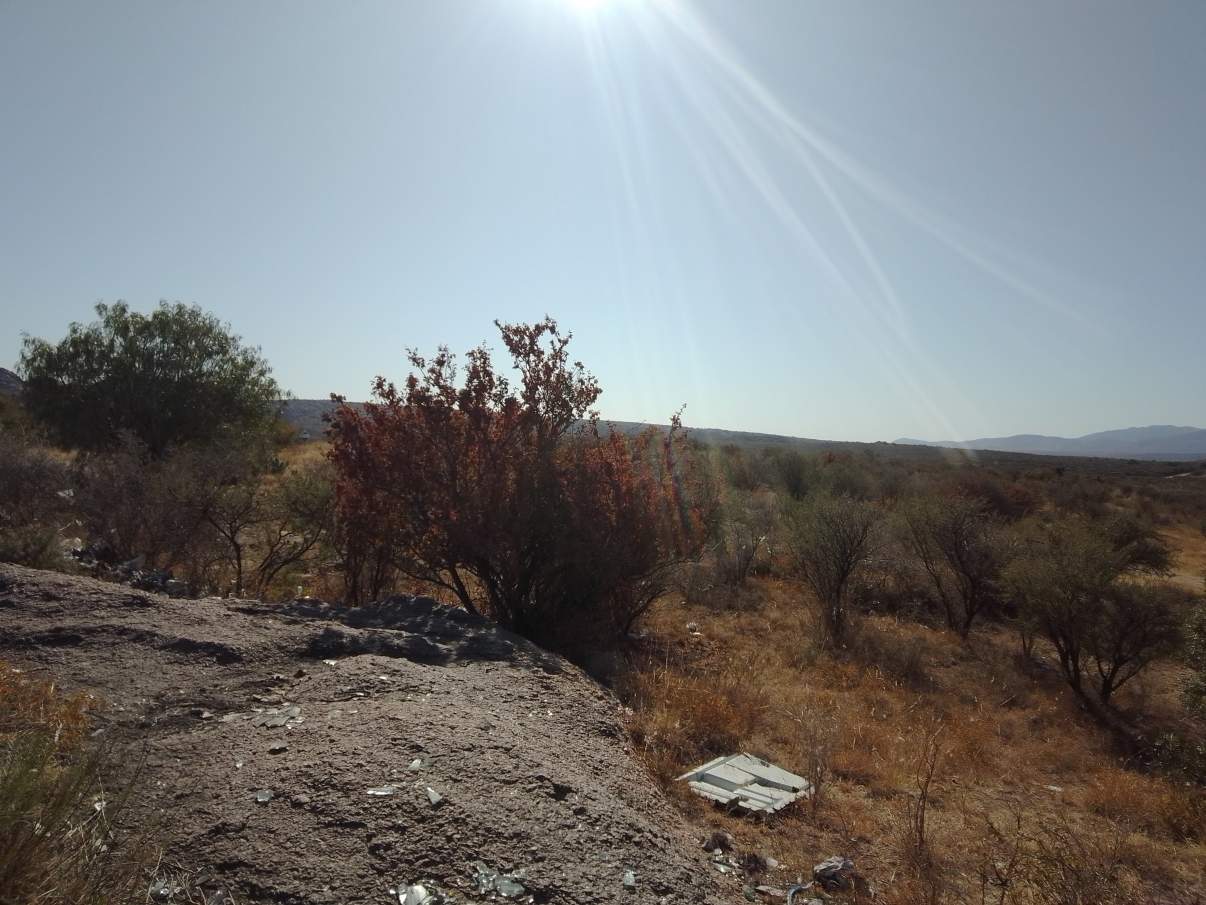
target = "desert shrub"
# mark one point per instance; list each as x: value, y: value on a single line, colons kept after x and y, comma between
x: 1078, y: 495
x: 1068, y: 865
x: 899, y: 660
x: 177, y: 375
x: 830, y: 538
x: 32, y: 503
x: 1071, y: 581
x: 840, y: 475
x: 512, y: 502
x: 818, y: 732
x: 57, y: 841
x: 795, y: 472
x: 262, y: 526
x: 961, y: 548
x: 299, y: 513
x: 133, y: 505
x: 1007, y: 500
x: 1179, y: 755
x: 31, y: 481
x: 221, y: 514
x: 745, y: 535
x: 738, y: 468
x: 1195, y: 657
x: 13, y: 417
x: 736, y: 553
x: 915, y: 843
x: 36, y: 546
x: 1051, y: 861
x: 1142, y: 547
x: 891, y: 583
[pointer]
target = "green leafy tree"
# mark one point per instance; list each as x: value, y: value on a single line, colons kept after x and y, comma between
x: 174, y: 376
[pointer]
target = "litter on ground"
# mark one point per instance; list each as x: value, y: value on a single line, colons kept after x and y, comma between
x: 748, y: 782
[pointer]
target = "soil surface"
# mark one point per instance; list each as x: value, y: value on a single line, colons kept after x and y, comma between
x: 400, y: 743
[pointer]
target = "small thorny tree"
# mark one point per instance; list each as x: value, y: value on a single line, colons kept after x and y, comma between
x: 831, y: 540
x: 510, y: 497
x: 958, y: 542
x: 1075, y: 584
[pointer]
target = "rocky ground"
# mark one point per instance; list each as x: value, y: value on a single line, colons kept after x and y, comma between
x: 294, y: 754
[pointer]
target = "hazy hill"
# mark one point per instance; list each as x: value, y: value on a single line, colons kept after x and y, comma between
x: 10, y: 383
x: 1158, y: 441
x: 1180, y: 444
x: 307, y: 416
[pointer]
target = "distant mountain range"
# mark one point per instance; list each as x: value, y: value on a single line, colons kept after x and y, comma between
x: 1159, y: 441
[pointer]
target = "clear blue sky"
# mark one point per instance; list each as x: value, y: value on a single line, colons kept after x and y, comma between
x: 844, y: 219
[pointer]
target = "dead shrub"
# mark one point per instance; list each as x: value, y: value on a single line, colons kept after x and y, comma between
x: 914, y: 839
x: 35, y: 546
x: 132, y: 505
x: 736, y: 554
x: 224, y: 516
x: 1052, y: 860
x: 818, y: 731
x: 957, y: 540
x: 831, y: 538
x: 32, y: 504
x: 898, y: 659
x: 1068, y: 864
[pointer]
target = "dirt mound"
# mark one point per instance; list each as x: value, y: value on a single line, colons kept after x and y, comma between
x: 303, y: 755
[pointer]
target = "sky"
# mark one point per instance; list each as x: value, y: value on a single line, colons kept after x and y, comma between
x: 845, y: 220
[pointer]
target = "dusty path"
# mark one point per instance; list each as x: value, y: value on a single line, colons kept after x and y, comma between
x: 526, y: 763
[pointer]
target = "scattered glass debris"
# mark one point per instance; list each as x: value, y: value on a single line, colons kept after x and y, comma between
x: 163, y: 889
x: 506, y: 885
x: 274, y: 717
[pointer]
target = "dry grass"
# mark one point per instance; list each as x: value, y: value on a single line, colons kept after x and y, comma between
x: 57, y: 840
x: 1189, y: 544
x: 1018, y: 763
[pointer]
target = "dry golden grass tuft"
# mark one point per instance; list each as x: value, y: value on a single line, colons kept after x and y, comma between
x: 27, y: 704
x: 57, y: 840
x: 1188, y: 541
x: 1147, y: 805
x: 1020, y: 772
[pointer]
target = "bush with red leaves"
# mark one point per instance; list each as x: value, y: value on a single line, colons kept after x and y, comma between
x: 511, y: 498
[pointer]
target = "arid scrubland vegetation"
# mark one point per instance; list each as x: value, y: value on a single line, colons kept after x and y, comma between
x: 992, y: 670
x: 993, y: 691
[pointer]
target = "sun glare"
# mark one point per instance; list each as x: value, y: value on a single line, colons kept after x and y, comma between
x: 588, y: 6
